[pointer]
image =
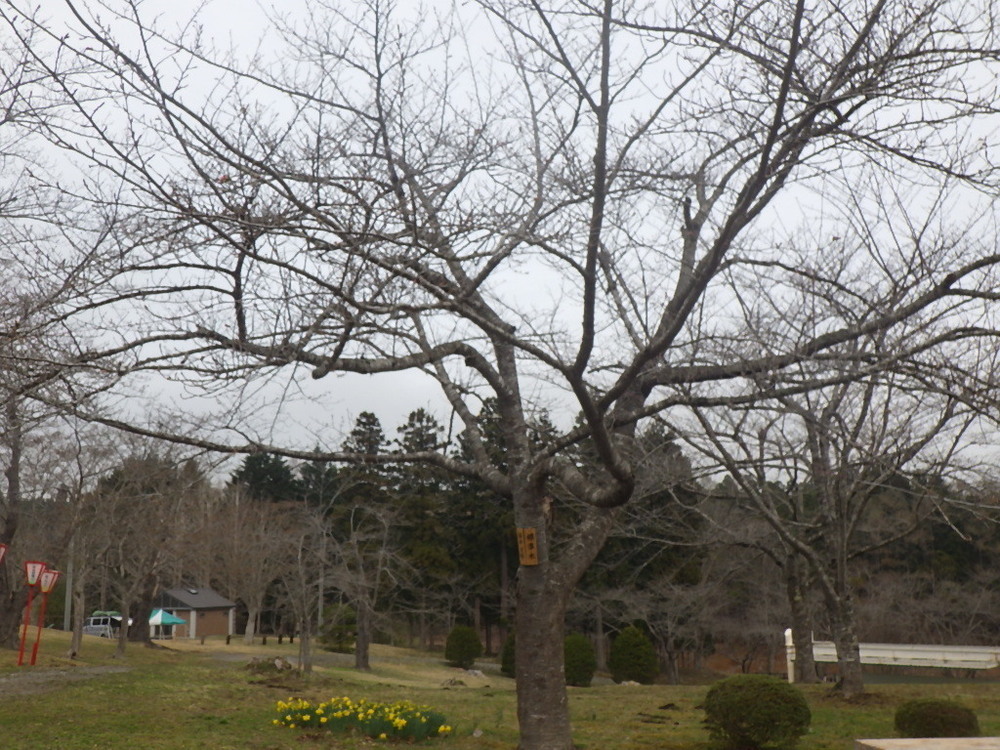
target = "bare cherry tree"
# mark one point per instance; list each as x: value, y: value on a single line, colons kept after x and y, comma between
x: 556, y: 226
x: 39, y: 352
x: 365, y: 565
x: 140, y: 504
x: 61, y: 523
x: 19, y: 324
x: 838, y: 472
x: 303, y: 536
x: 246, y: 551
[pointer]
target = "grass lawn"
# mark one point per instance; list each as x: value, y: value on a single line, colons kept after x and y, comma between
x: 194, y: 696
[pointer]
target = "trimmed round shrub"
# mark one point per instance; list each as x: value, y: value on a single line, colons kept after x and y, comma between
x: 463, y: 647
x: 928, y: 717
x: 507, y: 655
x: 754, y: 711
x: 633, y: 657
x: 581, y: 663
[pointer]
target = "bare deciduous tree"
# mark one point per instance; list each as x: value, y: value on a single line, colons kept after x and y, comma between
x: 302, y: 531
x: 140, y: 504
x: 836, y: 473
x: 247, y: 552
x: 365, y: 565
x: 560, y: 225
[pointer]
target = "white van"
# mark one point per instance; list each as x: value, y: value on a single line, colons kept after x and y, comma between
x: 103, y: 624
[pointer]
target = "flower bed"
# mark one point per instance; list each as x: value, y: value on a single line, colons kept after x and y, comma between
x: 402, y: 720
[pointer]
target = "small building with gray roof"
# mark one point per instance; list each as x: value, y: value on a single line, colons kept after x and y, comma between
x: 204, y: 611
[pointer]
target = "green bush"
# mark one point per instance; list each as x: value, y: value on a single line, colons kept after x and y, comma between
x: 581, y: 663
x: 928, y: 717
x: 753, y: 711
x: 463, y: 647
x: 507, y: 655
x: 633, y: 658
x: 340, y: 623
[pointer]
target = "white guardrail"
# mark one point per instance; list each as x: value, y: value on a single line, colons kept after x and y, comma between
x: 903, y: 654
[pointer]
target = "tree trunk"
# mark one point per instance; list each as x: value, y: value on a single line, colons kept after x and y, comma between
x: 845, y: 638
x: 123, y: 632
x: 140, y: 631
x: 542, y: 706
x: 321, y: 587
x: 79, y: 615
x: 543, y: 590
x: 251, y: 627
x: 805, y: 666
x: 12, y: 597
x: 305, y: 648
x: 425, y: 640
x: 600, y: 641
x: 839, y: 600
x: 363, y: 637
x: 12, y: 603
x: 668, y: 655
x: 102, y: 599
x: 504, y: 586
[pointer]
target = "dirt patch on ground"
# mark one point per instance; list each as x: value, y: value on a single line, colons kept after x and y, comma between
x: 31, y: 681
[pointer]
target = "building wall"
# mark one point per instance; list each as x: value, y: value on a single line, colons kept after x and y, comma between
x: 212, y: 622
x: 182, y: 631
x: 206, y: 622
